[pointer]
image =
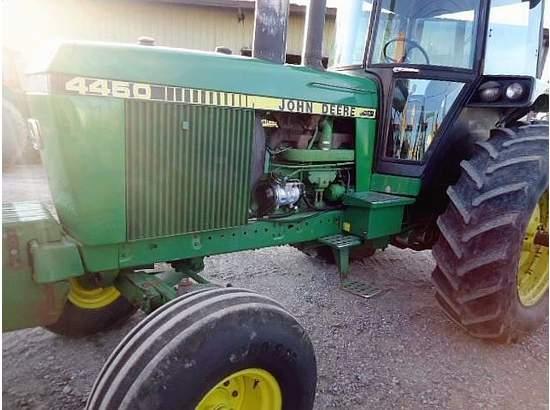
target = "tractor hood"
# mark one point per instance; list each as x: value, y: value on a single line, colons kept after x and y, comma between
x: 204, y: 70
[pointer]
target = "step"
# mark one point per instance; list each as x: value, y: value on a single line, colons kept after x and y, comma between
x: 371, y: 199
x: 340, y: 241
x: 365, y: 290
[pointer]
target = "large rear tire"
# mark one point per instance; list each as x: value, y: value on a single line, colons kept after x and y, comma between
x: 491, y: 277
x: 211, y: 348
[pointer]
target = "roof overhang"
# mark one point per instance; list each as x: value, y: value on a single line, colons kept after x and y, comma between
x: 296, y: 9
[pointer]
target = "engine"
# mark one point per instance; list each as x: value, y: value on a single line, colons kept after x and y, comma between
x: 306, y: 163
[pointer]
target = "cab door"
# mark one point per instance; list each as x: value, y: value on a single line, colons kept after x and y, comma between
x: 427, y: 58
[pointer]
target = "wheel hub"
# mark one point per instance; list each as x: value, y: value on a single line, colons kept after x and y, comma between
x: 249, y: 389
x: 532, y: 277
x: 91, y: 298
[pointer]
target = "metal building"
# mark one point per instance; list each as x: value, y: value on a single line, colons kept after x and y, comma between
x: 194, y: 24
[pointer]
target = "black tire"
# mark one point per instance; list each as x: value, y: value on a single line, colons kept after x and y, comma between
x: 78, y: 322
x: 14, y: 134
x: 182, y: 350
x: 481, y: 234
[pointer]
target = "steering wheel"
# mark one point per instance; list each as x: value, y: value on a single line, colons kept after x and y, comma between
x: 409, y: 45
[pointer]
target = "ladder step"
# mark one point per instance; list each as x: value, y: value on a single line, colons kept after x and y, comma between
x: 341, y: 241
x: 372, y: 199
x: 360, y: 288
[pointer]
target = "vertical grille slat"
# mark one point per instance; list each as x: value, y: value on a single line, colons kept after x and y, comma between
x: 187, y: 166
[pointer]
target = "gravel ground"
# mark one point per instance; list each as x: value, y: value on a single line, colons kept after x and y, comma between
x: 394, y: 351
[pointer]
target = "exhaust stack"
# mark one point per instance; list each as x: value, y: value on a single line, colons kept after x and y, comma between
x: 312, y: 52
x: 270, y: 30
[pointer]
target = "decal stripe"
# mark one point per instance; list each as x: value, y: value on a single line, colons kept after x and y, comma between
x: 153, y: 92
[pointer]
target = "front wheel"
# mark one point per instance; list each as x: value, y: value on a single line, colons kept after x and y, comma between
x: 217, y: 348
x: 492, y: 255
x: 89, y: 311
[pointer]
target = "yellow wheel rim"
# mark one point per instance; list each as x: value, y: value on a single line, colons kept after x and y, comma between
x: 91, y: 298
x: 532, y: 278
x: 249, y: 389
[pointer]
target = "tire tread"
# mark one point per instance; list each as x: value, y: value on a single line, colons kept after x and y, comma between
x: 475, y: 269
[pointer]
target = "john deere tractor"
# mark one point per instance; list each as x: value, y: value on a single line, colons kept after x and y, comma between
x: 424, y: 134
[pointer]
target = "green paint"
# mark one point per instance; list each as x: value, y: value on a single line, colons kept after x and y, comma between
x: 85, y: 153
x: 177, y: 179
x: 144, y: 290
x: 139, y: 182
x: 54, y: 261
x: 374, y: 200
x: 335, y: 192
x: 321, y: 178
x: 340, y: 245
x: 374, y: 215
x: 393, y: 184
x: 374, y: 223
x: 252, y: 236
x: 25, y: 303
x: 317, y: 155
x: 83, y: 140
x: 191, y: 268
x: 365, y: 132
x: 212, y: 71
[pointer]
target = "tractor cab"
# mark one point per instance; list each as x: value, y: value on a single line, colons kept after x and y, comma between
x: 432, y: 59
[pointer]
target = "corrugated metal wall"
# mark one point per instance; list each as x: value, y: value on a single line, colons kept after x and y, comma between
x: 28, y: 22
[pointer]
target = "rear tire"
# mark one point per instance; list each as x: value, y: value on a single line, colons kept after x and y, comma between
x: 193, y: 345
x: 482, y: 234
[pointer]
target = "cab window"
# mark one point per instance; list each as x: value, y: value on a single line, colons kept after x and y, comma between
x: 513, y: 37
x: 352, y: 27
x: 438, y: 33
x: 418, y: 108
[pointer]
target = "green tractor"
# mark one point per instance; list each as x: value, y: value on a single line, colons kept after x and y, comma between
x: 423, y: 134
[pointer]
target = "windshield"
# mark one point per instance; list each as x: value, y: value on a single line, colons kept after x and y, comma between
x: 437, y: 32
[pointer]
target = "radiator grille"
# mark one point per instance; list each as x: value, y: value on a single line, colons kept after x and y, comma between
x: 187, y: 168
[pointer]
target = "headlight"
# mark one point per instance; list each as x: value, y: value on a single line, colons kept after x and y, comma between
x: 490, y: 91
x: 515, y: 91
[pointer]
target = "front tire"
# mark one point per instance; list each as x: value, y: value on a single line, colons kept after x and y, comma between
x: 89, y: 311
x: 209, y: 349
x: 491, y: 278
